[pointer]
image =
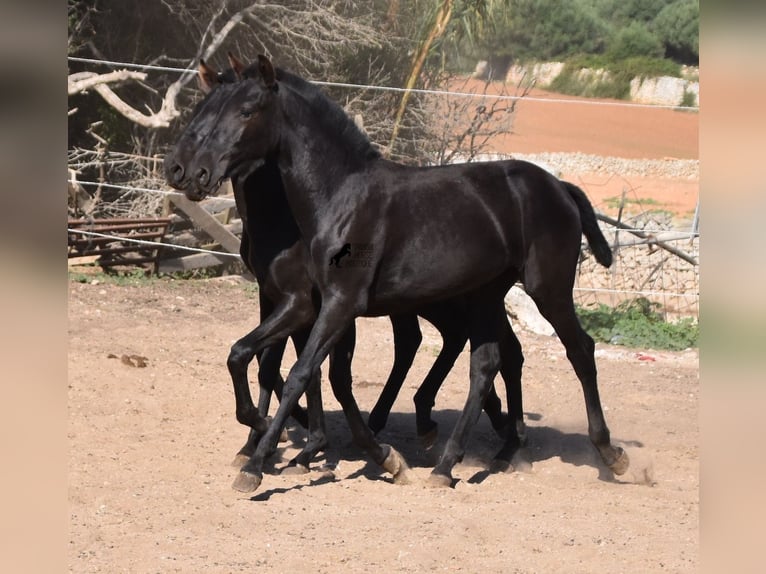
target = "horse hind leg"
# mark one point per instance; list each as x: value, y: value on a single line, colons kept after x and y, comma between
x: 451, y: 321
x: 340, y: 379
x: 560, y: 313
x: 317, y: 432
x: 484, y: 366
x: 407, y: 338
x: 511, y: 456
x: 453, y: 343
x: 317, y: 436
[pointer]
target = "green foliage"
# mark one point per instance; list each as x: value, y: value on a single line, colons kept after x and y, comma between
x: 616, y: 201
x: 540, y: 30
x: 645, y: 67
x: 677, y: 26
x: 638, y: 323
x: 635, y: 40
x: 543, y: 30
x: 572, y: 81
x: 623, y: 12
x: 689, y: 100
x: 96, y: 275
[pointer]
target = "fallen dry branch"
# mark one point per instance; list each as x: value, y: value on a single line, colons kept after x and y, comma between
x: 651, y: 238
x: 100, y: 83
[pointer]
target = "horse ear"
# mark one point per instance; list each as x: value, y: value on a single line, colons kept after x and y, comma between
x: 267, y: 72
x: 236, y: 65
x: 206, y: 76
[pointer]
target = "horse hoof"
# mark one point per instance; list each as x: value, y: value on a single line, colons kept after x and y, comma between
x: 499, y: 466
x: 295, y: 468
x: 396, y: 465
x: 521, y: 462
x: 240, y: 460
x: 621, y: 464
x: 246, y: 482
x: 437, y: 480
x: 428, y: 439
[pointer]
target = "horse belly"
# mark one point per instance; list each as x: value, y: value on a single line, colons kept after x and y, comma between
x: 418, y: 276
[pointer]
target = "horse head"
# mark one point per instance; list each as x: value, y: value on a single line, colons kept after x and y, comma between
x: 232, y: 128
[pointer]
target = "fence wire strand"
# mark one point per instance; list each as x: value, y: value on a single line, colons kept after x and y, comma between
x: 640, y: 269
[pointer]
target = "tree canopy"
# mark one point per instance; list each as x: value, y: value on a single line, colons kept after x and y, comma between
x: 526, y: 30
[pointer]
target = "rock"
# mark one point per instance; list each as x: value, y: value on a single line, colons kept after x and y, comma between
x: 523, y: 308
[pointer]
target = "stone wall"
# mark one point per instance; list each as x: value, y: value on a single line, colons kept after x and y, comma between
x: 664, y: 90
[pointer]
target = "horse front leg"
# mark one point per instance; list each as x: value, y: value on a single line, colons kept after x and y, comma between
x: 287, y: 318
x: 331, y: 324
x: 269, y: 361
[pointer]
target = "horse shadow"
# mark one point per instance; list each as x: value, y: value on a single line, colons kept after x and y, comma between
x: 543, y: 443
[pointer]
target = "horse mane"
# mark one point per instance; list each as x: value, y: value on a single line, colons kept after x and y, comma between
x: 329, y: 113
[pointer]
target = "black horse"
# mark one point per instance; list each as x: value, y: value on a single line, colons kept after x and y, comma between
x: 272, y: 251
x: 432, y: 234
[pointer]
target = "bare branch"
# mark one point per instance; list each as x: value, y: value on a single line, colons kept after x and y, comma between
x: 83, y: 81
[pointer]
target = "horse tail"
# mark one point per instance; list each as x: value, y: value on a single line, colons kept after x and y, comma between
x: 590, y: 228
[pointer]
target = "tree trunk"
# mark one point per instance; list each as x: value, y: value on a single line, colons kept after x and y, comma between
x: 443, y: 16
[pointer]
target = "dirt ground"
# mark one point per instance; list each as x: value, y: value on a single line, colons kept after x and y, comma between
x: 150, y: 450
x: 150, y: 447
x: 596, y: 128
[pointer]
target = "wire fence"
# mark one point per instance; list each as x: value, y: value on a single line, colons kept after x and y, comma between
x: 644, y: 265
x: 396, y: 89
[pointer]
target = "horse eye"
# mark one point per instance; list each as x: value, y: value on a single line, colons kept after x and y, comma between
x: 246, y: 113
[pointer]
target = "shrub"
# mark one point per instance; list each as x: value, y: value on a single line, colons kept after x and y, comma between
x: 677, y: 26
x: 635, y: 40
x: 637, y: 323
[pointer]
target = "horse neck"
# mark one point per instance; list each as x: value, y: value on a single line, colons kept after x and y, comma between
x: 266, y: 217
x: 315, y: 159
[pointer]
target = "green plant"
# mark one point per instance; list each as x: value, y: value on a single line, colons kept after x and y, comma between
x: 689, y: 100
x: 200, y: 273
x: 677, y: 26
x: 635, y: 40
x: 615, y: 201
x: 638, y: 323
x: 112, y: 277
x: 251, y: 290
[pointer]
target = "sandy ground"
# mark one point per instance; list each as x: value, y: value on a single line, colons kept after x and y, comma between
x: 150, y: 450
x: 598, y: 128
x: 150, y: 447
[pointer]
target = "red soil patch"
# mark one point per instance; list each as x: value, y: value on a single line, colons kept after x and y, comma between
x: 619, y: 130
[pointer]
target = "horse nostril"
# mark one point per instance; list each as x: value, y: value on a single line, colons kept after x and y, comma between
x: 178, y: 173
x: 203, y: 176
